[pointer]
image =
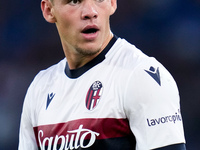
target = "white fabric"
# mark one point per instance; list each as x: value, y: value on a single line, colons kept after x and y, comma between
x: 129, y: 91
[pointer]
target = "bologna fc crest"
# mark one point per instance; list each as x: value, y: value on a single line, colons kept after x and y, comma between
x: 94, y: 95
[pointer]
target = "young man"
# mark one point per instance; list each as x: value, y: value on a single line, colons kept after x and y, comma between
x: 105, y: 95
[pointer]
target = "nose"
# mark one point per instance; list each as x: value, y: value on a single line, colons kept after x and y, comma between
x: 89, y: 10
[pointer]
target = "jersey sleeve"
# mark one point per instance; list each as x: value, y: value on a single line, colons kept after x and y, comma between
x: 26, y: 134
x: 152, y: 106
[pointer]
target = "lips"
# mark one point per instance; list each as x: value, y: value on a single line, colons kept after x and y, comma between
x: 90, y: 32
x: 90, y: 29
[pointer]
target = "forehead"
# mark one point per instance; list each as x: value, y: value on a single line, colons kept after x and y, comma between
x: 78, y: 0
x: 111, y: 3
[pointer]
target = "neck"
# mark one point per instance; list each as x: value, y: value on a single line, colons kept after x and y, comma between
x: 77, y: 60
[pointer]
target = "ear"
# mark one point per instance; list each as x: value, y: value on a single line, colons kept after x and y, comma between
x: 47, y: 11
x: 113, y: 6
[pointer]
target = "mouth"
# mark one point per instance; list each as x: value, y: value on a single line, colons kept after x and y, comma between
x: 90, y: 30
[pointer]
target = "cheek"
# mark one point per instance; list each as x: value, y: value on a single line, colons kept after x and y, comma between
x: 65, y: 23
x: 107, y: 7
x: 64, y: 16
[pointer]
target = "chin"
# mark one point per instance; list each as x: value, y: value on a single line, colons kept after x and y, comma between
x: 88, y: 51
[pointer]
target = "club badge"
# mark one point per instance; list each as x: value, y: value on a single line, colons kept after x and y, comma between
x: 94, y: 95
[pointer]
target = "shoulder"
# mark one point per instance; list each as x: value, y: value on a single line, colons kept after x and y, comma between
x: 151, y: 83
x: 137, y: 72
x: 41, y: 83
x: 128, y: 57
x: 146, y: 82
x: 45, y: 78
x: 50, y: 73
x: 140, y: 65
x: 136, y: 65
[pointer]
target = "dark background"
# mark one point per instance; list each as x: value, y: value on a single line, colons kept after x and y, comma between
x: 166, y: 29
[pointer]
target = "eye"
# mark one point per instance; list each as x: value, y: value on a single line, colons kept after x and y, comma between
x: 74, y: 2
x: 99, y: 1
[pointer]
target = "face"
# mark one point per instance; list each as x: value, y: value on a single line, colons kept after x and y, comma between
x: 83, y: 25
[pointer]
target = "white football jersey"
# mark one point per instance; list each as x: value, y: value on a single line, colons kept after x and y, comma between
x: 122, y: 99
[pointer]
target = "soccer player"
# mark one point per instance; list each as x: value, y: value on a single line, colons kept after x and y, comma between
x: 104, y: 95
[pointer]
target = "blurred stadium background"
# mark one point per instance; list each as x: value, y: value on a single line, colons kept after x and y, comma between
x: 166, y: 29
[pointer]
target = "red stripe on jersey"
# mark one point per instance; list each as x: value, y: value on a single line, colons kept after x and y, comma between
x: 103, y: 128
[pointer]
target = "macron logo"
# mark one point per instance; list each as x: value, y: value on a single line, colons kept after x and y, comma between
x: 49, y: 99
x: 155, y: 74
